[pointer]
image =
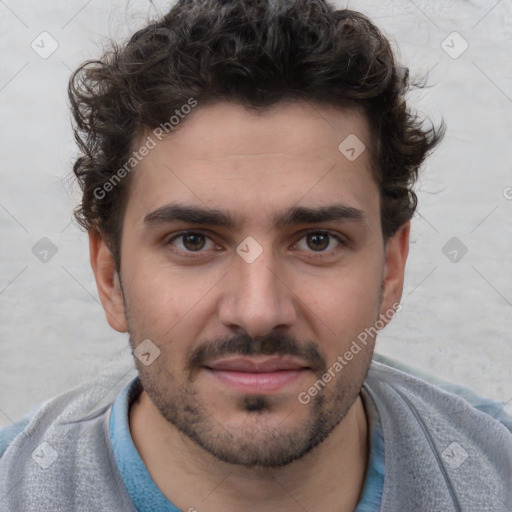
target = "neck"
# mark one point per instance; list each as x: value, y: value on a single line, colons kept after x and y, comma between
x: 330, y: 477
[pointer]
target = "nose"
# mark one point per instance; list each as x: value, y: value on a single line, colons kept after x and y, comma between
x: 257, y: 299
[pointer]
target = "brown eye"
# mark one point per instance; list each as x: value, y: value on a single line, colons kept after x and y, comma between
x: 318, y: 241
x: 194, y: 242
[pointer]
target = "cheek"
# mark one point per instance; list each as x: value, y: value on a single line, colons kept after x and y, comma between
x: 342, y: 307
x: 166, y: 305
x: 348, y: 292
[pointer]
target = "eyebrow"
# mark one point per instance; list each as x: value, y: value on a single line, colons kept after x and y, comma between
x: 303, y: 215
x: 295, y: 215
x: 190, y: 214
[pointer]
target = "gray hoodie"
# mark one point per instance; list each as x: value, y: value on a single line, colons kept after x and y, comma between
x: 440, y: 453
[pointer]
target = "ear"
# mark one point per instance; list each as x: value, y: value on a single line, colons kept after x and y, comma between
x: 107, y: 281
x: 396, y: 252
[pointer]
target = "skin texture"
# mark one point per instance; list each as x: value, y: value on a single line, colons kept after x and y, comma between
x: 303, y: 298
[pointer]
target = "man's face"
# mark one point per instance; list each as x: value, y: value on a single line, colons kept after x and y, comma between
x: 252, y: 257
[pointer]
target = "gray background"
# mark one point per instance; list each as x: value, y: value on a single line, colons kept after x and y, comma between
x: 456, y: 319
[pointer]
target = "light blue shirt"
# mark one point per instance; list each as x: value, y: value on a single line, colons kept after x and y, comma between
x: 144, y: 493
x: 147, y: 497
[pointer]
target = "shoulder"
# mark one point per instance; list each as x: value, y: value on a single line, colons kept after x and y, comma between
x: 493, y: 408
x: 9, y: 433
x: 444, y: 448
x: 63, y: 446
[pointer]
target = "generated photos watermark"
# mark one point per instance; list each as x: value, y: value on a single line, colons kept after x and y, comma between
x: 304, y: 397
x: 150, y: 143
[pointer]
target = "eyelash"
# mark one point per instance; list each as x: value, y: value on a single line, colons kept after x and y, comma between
x: 312, y: 254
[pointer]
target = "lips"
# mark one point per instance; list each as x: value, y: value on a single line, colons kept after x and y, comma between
x: 256, y: 375
x: 253, y: 365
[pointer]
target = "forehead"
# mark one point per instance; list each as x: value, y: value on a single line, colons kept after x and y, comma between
x: 226, y: 156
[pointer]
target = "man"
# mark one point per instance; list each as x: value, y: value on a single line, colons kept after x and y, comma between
x: 247, y: 172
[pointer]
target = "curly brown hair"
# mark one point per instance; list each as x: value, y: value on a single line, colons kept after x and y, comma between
x: 256, y: 53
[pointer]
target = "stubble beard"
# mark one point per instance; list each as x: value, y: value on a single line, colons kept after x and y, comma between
x: 253, y: 445
x: 258, y: 441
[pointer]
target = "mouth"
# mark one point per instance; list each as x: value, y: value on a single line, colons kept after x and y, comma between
x: 257, y: 375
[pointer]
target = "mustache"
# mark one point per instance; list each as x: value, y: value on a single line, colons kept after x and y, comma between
x: 274, y: 343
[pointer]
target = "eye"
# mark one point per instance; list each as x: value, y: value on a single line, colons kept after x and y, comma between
x: 192, y: 242
x: 318, y: 241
